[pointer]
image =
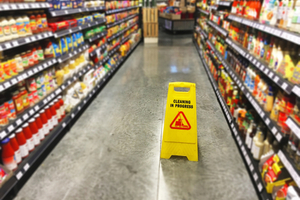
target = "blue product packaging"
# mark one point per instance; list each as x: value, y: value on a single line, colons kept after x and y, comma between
x: 69, y: 43
x: 56, y: 48
x: 74, y: 40
x: 63, y: 46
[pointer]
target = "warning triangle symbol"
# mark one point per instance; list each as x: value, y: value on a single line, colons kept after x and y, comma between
x: 180, y: 122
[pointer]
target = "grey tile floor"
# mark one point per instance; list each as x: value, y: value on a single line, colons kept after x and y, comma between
x: 112, y: 152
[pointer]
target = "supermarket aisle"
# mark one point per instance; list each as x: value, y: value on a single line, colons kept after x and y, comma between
x: 112, y: 152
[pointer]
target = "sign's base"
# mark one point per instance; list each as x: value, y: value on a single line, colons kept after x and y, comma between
x: 189, y: 150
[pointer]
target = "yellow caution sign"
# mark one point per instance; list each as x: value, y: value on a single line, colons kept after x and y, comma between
x: 180, y: 125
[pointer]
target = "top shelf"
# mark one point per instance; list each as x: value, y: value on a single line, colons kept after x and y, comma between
x: 23, y: 6
x: 75, y: 11
x: 281, y: 33
x: 120, y: 10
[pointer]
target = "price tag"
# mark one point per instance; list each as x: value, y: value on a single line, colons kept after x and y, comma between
x: 259, y: 187
x: 14, y: 81
x: 45, y: 65
x: 296, y: 90
x: 35, y: 70
x: 276, y: 79
x: 18, y: 122
x: 278, y: 137
x: 13, y: 6
x: 7, y: 85
x: 274, y: 130
x: 25, y: 117
x: 20, y: 78
x: 255, y: 176
x: 27, y: 40
x: 284, y: 85
x: 7, y: 45
x: 40, y: 68
x: 36, y: 108
x: 26, y: 167
x: 11, y: 128
x: 30, y: 73
x: 72, y: 115
x: 19, y: 175
x: 33, y: 38
x: 248, y: 160
x: 45, y: 101
x: 15, y: 43
x: 251, y: 168
x: 79, y: 107
x: 266, y: 71
x: 31, y: 112
x: 21, y: 6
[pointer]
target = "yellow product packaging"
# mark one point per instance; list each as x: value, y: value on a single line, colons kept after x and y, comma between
x: 74, y: 40
x: 63, y: 46
x: 296, y: 74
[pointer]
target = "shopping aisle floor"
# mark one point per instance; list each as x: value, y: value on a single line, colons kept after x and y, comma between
x: 112, y: 152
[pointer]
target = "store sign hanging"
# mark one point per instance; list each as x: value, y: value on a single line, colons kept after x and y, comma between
x: 180, y: 125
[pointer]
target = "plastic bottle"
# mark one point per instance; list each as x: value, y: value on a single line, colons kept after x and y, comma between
x: 44, y: 22
x: 278, y: 59
x: 13, y: 27
x: 33, y: 24
x: 257, y: 147
x: 8, y: 155
x: 6, y: 29
x: 62, y: 108
x: 45, y: 122
x: 16, y: 148
x: 22, y: 143
x: 39, y: 23
x: 40, y: 127
x: 26, y: 21
x: 35, y: 132
x: 54, y: 114
x: 49, y: 117
x: 28, y: 136
x: 20, y: 26
x: 57, y: 108
x: 295, y: 24
x: 273, y: 56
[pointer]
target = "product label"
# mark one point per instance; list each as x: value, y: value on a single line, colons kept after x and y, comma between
x: 46, y: 128
x: 10, y: 162
x: 39, y: 23
x: 249, y: 143
x: 55, y: 120
x: 1, y: 31
x: 27, y: 27
x: 14, y: 29
x: 44, y: 22
x: 19, y: 104
x: 7, y: 30
x: 20, y: 28
x: 18, y: 157
x: 256, y: 151
x: 40, y: 54
x: 25, y: 62
x: 24, y: 150
x: 33, y: 25
x: 30, y: 144
x: 36, y: 138
x: 41, y: 133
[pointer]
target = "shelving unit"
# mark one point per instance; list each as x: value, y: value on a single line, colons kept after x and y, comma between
x: 250, y: 163
x: 120, y: 21
x: 271, y: 75
x: 30, y: 164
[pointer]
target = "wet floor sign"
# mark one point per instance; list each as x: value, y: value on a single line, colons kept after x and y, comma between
x: 180, y: 125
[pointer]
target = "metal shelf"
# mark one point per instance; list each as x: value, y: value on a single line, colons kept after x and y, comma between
x: 218, y: 28
x: 73, y: 53
x: 97, y: 36
x: 120, y: 21
x: 78, y: 28
x: 23, y: 6
x: 281, y: 33
x: 56, y: 13
x: 250, y: 163
x: 120, y: 10
x: 24, y: 40
x: 120, y: 33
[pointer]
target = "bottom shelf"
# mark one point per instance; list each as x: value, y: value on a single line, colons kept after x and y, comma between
x: 250, y: 163
x: 30, y: 164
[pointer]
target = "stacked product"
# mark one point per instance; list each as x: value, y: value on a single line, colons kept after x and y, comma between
x: 111, y: 5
